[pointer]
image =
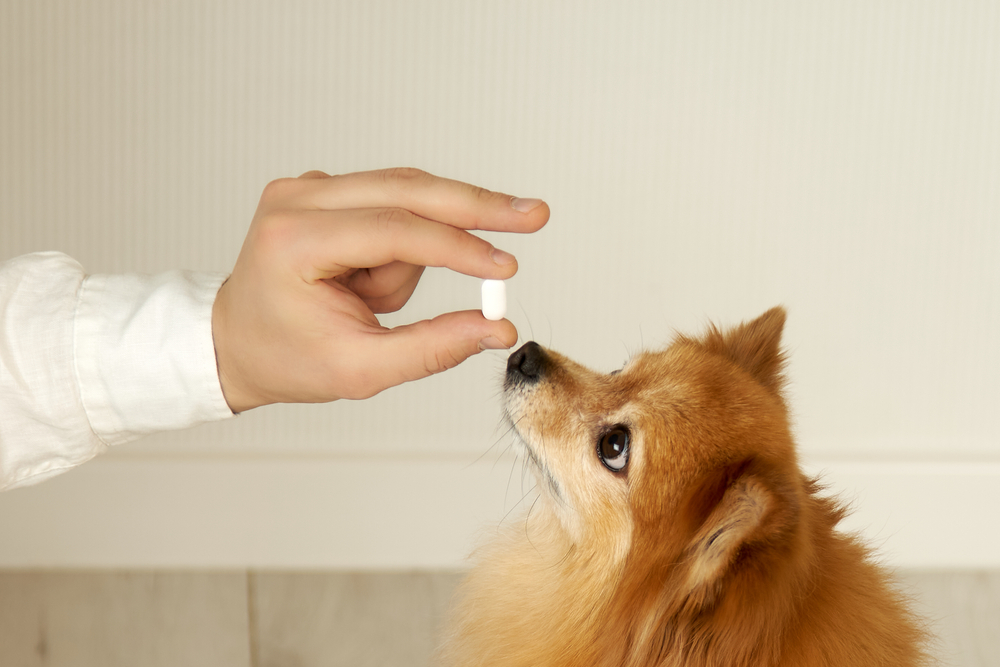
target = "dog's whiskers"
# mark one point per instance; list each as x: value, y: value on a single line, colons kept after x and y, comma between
x: 527, y: 518
x: 506, y: 489
x: 504, y: 518
x: 531, y: 327
x: 511, y: 425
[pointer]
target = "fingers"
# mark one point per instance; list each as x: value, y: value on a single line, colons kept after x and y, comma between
x: 432, y: 346
x: 333, y: 242
x: 384, y: 289
x: 452, y: 202
x: 295, y: 322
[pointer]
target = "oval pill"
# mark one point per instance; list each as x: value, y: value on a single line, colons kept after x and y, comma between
x: 494, y: 299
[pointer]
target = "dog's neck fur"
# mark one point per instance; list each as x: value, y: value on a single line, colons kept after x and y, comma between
x: 768, y: 616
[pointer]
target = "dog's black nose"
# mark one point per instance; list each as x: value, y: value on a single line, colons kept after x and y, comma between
x: 527, y: 363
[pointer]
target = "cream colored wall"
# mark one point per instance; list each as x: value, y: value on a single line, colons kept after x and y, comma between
x: 703, y: 161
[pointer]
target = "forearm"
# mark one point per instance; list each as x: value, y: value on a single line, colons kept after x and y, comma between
x: 89, y: 362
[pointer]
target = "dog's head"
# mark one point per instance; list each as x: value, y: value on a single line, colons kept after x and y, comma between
x: 679, y: 466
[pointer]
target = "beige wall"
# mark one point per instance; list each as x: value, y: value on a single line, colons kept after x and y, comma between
x: 703, y: 161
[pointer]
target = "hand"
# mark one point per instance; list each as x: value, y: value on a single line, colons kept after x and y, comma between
x: 295, y: 322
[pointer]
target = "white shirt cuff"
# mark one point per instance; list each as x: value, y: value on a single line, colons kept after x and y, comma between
x: 144, y: 353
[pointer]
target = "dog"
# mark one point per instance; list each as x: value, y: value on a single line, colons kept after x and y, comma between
x: 674, y: 526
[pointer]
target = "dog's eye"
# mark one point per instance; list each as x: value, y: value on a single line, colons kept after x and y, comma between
x: 612, y: 449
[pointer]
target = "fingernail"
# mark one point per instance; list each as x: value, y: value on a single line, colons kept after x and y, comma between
x: 501, y: 258
x: 491, y: 343
x: 524, y: 205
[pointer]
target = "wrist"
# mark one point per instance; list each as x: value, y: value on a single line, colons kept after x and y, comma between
x: 238, y: 398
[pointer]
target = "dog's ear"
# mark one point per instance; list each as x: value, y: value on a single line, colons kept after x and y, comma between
x: 755, y: 346
x: 747, y: 513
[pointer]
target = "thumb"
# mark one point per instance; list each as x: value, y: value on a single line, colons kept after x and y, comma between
x: 427, y: 347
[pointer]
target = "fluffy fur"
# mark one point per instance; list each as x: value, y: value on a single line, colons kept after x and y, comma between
x: 711, y: 547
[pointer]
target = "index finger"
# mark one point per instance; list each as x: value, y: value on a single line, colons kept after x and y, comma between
x: 442, y: 199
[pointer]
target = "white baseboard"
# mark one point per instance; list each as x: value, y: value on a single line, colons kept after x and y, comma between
x: 371, y: 514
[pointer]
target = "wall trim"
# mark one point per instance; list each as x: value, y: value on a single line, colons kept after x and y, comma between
x: 420, y: 513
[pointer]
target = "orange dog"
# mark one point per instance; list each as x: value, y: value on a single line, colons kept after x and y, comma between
x: 675, y: 527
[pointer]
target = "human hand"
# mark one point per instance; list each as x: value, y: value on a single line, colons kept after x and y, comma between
x: 296, y: 321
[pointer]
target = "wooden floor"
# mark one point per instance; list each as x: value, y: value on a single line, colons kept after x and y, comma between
x: 270, y: 619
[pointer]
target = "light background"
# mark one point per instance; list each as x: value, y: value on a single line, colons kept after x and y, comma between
x: 704, y: 161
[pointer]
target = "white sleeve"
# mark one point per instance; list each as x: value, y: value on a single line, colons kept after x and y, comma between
x: 92, y: 361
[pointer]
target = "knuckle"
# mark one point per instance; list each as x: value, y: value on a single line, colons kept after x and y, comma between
x: 400, y: 179
x: 391, y: 221
x: 315, y: 173
x: 405, y: 174
x: 439, y: 361
x: 279, y: 189
x: 483, y: 195
x: 276, y: 227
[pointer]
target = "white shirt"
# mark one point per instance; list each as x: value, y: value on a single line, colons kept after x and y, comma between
x: 87, y: 362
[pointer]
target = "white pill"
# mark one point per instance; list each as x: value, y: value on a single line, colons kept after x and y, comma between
x: 494, y: 299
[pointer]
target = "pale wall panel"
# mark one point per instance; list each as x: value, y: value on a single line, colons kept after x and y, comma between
x: 703, y: 161
x: 403, y: 513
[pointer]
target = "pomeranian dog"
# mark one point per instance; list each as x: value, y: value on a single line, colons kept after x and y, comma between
x: 675, y: 527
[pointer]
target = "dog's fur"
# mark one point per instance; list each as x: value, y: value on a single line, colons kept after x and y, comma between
x: 711, y: 548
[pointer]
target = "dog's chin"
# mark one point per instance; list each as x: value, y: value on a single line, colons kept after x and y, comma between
x: 516, y: 398
x: 546, y: 480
